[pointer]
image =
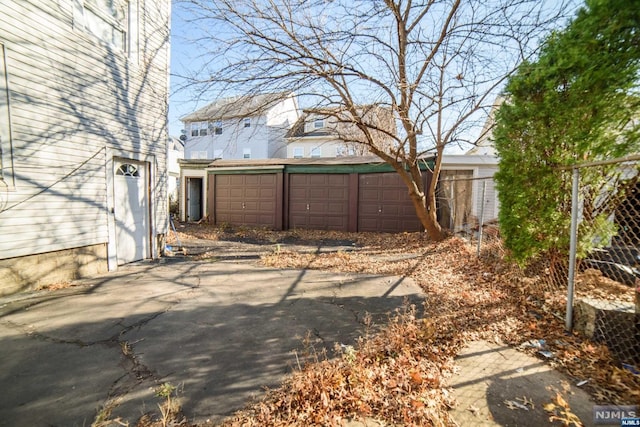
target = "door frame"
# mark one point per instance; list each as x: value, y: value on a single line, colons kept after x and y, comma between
x: 188, y: 182
x: 150, y: 162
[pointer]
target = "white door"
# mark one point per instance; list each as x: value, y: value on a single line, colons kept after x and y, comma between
x: 194, y: 199
x: 131, y: 210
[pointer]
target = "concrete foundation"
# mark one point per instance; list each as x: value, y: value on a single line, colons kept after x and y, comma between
x: 41, y: 270
x: 615, y: 324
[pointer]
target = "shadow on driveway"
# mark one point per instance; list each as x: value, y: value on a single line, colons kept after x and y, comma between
x: 220, y: 331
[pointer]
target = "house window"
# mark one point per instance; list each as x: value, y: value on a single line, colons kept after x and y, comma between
x: 345, y: 151
x: 217, y: 154
x: 6, y: 148
x: 195, y: 128
x: 217, y: 128
x: 318, y: 123
x: 316, y: 152
x: 298, y: 152
x: 198, y: 154
x: 108, y: 20
x: 246, y: 153
x: 247, y: 122
x: 203, y: 128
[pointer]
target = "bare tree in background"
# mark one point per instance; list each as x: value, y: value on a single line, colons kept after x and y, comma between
x: 437, y: 65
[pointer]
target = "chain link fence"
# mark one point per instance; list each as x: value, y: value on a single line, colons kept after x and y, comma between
x: 602, y: 270
x: 468, y: 205
x: 603, y: 299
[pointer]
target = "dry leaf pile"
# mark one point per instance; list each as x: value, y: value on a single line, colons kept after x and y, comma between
x: 396, y: 375
x: 399, y: 374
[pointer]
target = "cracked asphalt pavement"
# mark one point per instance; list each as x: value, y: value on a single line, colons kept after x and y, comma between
x: 220, y: 330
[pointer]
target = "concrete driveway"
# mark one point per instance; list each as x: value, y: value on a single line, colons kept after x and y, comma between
x: 220, y: 330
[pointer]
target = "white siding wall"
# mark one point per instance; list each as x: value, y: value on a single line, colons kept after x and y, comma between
x: 234, y: 138
x: 74, y: 101
x: 328, y: 147
x: 490, y: 212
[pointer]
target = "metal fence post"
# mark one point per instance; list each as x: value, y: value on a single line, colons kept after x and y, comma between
x: 481, y: 220
x: 572, y: 248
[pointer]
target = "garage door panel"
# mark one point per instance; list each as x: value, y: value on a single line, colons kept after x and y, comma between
x: 319, y: 179
x: 337, y: 208
x: 317, y: 193
x: 246, y: 199
x: 252, y: 193
x: 341, y: 180
x: 268, y: 193
x: 319, y: 201
x: 384, y: 204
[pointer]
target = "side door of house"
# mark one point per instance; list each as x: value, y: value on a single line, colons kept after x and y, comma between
x: 194, y: 199
x: 131, y: 210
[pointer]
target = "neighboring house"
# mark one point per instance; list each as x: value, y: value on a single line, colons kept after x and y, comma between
x: 243, y: 127
x: 83, y: 117
x: 484, y: 144
x: 331, y: 133
x: 175, y: 151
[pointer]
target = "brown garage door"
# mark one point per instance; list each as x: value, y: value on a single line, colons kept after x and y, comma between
x: 384, y: 204
x: 246, y: 199
x: 319, y: 201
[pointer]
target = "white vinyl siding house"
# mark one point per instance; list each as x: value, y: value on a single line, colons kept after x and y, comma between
x: 87, y: 95
x: 233, y: 127
x: 317, y: 136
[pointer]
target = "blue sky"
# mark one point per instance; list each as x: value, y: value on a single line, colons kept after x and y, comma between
x: 183, y: 58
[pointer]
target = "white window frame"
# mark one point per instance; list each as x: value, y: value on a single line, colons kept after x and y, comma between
x: 112, y: 25
x: 7, y: 177
x: 345, y: 151
x: 217, y: 128
x: 246, y: 153
x: 298, y: 152
x: 316, y: 152
x: 195, y: 128
x: 318, y: 123
x: 199, y: 155
x: 204, y: 129
x: 218, y: 154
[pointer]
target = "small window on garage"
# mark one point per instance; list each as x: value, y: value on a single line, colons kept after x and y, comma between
x: 246, y: 153
x: 316, y: 152
x: 298, y: 152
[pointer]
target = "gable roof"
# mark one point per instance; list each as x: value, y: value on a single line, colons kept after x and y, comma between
x: 368, y: 112
x: 237, y: 106
x: 297, y: 130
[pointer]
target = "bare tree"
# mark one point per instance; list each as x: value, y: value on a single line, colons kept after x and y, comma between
x: 437, y: 65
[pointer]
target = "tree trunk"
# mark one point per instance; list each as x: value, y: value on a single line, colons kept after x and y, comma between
x: 425, y: 207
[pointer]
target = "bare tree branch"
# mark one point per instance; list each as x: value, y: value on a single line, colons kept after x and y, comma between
x: 435, y: 66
